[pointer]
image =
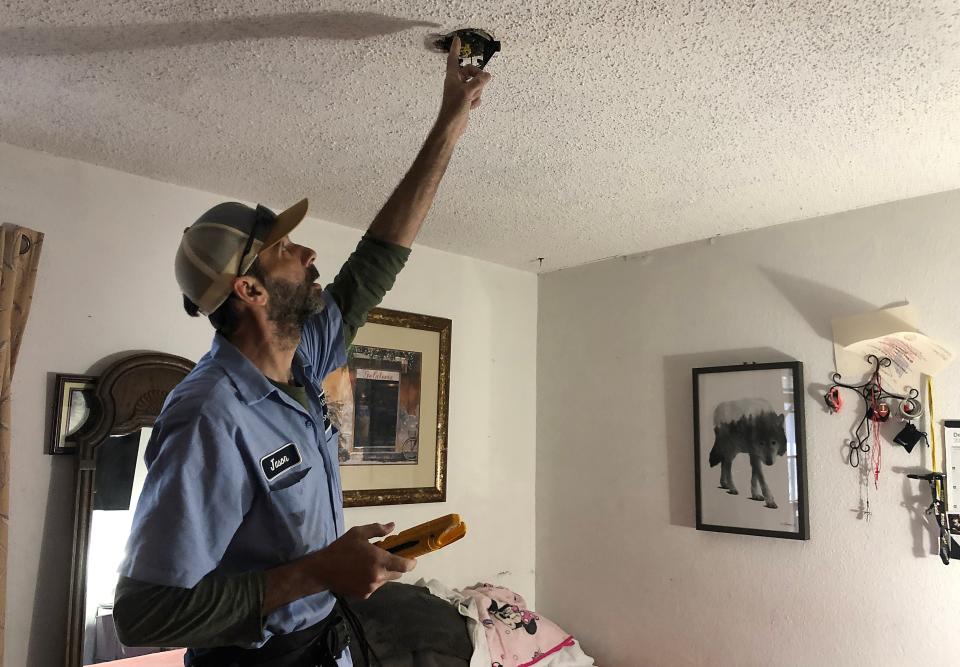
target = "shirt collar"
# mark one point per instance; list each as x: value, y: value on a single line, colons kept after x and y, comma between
x: 252, y: 385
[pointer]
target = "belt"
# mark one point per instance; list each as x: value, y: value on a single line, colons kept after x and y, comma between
x: 319, y: 645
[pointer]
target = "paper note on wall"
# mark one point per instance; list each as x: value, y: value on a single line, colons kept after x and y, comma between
x: 951, y: 434
x: 911, y: 354
x: 892, y: 333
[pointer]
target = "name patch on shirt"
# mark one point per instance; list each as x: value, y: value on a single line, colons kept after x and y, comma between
x: 280, y: 461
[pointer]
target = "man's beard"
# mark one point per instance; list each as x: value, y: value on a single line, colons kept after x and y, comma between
x: 291, y: 304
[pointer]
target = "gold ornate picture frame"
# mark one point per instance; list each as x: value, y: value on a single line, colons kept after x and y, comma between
x: 390, y: 403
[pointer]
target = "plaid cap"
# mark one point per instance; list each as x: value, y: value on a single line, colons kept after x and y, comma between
x: 223, y: 243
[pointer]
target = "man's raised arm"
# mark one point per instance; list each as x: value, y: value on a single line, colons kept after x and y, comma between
x: 400, y: 218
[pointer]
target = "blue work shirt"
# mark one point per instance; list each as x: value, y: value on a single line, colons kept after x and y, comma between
x: 240, y: 477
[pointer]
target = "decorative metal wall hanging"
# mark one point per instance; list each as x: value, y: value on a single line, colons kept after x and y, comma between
x: 879, y: 406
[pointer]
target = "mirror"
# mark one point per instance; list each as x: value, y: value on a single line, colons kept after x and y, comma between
x: 110, y: 474
x: 118, y: 480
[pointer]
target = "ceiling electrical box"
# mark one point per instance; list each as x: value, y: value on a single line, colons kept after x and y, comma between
x: 477, y: 46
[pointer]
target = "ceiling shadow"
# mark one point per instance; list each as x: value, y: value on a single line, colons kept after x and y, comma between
x: 80, y: 40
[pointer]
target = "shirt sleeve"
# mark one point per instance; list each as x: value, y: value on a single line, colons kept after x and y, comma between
x: 195, y: 495
x: 218, y: 611
x: 321, y: 341
x: 368, y: 274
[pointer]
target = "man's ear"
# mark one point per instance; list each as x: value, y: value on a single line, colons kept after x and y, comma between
x: 250, y: 290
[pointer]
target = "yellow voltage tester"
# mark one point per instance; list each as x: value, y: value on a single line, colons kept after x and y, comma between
x: 430, y: 536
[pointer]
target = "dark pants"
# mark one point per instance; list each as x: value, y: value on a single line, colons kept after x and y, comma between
x: 317, y: 646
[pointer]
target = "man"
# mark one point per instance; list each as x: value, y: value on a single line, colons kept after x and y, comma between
x: 238, y: 547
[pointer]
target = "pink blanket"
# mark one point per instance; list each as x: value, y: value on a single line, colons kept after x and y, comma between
x: 517, y: 637
x: 164, y: 659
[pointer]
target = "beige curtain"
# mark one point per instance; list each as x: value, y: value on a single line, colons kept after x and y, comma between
x: 20, y: 249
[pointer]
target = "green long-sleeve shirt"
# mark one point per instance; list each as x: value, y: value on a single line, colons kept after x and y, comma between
x: 223, y: 610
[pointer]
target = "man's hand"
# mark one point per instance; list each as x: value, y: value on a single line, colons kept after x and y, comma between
x: 462, y: 88
x: 355, y: 568
x: 350, y: 565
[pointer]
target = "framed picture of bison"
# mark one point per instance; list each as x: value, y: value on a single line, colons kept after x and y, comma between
x: 748, y: 427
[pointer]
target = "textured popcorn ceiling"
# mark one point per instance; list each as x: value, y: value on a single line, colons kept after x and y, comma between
x: 611, y: 127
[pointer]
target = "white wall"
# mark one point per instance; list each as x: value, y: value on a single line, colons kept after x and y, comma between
x: 618, y: 560
x: 106, y: 285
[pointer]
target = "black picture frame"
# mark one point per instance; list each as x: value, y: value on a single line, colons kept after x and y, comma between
x: 74, y: 402
x: 731, y: 417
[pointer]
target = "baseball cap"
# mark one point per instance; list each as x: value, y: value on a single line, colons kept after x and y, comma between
x: 223, y: 243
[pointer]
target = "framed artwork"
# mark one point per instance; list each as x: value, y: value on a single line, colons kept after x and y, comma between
x: 73, y: 401
x: 390, y: 404
x: 748, y: 426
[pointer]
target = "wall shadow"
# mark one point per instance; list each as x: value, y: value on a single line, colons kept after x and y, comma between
x: 81, y: 40
x: 916, y: 504
x: 818, y: 304
x: 48, y: 625
x: 678, y: 399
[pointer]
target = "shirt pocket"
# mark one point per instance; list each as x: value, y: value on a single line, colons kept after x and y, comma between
x: 289, y: 479
x: 288, y: 499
